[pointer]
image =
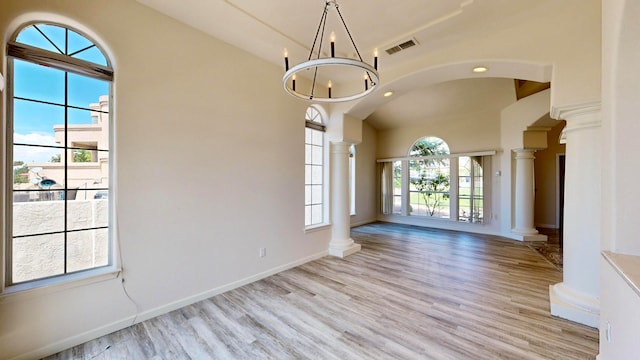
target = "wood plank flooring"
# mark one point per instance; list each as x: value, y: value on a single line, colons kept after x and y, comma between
x: 411, y: 293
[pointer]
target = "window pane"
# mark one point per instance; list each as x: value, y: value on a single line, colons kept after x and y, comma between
x: 307, y: 154
x: 308, y: 135
x: 316, y: 214
x: 45, y: 175
x: 317, y: 138
x: 307, y: 174
x: 55, y: 33
x: 87, y: 249
x: 316, y: 156
x: 307, y: 194
x: 316, y: 174
x: 28, y: 160
x: 397, y: 203
x: 85, y: 211
x: 37, y: 123
x: 84, y: 91
x: 78, y: 42
x: 316, y: 194
x: 37, y: 82
x: 37, y: 256
x: 93, y: 55
x: 42, y: 213
x: 307, y: 215
x: 33, y: 37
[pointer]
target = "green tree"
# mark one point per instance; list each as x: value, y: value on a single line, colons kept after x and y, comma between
x: 19, y: 169
x: 55, y: 158
x: 81, y: 155
x: 433, y: 187
x: 433, y: 190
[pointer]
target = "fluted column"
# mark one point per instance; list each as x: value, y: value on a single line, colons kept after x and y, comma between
x: 576, y: 298
x: 341, y: 244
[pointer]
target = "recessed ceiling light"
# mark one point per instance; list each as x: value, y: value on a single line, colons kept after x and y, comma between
x: 388, y: 93
x: 480, y: 69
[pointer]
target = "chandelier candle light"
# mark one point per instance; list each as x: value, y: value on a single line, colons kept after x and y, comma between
x: 336, y: 66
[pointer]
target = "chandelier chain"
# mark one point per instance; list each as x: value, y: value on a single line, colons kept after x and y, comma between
x: 349, y: 33
x: 323, y: 23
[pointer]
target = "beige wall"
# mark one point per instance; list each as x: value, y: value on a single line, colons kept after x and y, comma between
x: 366, y: 190
x: 546, y: 182
x: 485, y: 127
x: 209, y: 155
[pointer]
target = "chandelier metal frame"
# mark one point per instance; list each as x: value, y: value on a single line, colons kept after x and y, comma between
x: 371, y: 77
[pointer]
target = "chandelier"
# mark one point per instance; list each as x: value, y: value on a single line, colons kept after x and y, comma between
x: 325, y: 67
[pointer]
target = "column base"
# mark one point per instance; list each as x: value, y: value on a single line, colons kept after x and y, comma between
x: 342, y: 250
x: 572, y: 305
x: 528, y: 235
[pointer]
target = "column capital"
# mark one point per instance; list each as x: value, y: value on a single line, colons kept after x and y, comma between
x: 580, y: 116
x: 525, y: 153
x: 340, y: 147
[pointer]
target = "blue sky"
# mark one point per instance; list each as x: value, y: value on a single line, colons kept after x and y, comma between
x: 33, y: 122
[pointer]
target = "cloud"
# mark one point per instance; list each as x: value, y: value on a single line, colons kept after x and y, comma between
x: 30, y: 154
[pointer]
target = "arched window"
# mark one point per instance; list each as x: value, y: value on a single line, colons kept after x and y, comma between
x: 314, y: 164
x: 59, y: 132
x: 429, y: 178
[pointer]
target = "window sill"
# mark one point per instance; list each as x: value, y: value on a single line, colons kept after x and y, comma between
x: 48, y: 286
x: 318, y: 227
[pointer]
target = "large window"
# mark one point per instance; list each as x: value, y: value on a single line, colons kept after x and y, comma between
x: 314, y: 168
x: 429, y: 179
x: 432, y: 183
x: 471, y: 189
x: 58, y: 140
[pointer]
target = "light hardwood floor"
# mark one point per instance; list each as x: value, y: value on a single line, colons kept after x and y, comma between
x: 411, y: 293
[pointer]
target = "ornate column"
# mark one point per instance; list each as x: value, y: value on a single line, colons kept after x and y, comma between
x: 576, y: 298
x: 525, y: 193
x: 341, y: 244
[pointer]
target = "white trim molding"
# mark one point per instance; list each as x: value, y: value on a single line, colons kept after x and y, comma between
x: 573, y: 305
x: 576, y: 111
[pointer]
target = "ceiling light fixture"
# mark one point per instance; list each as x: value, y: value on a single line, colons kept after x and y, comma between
x: 388, y: 93
x: 327, y: 66
x: 480, y: 69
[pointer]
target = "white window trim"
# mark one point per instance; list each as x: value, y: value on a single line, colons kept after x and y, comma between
x: 405, y: 186
x: 42, y: 286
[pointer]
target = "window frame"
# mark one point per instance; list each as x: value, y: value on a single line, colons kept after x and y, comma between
x: 312, y: 124
x: 400, y: 165
x: 429, y: 165
x: 68, y: 65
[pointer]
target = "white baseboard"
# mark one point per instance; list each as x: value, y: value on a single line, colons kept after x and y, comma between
x: 76, y: 340
x: 149, y: 314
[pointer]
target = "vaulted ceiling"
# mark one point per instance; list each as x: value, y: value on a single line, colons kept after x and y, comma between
x: 266, y: 28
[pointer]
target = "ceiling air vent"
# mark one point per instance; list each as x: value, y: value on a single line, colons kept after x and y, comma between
x: 403, y: 46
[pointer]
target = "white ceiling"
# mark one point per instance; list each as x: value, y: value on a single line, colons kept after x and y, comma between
x: 266, y: 27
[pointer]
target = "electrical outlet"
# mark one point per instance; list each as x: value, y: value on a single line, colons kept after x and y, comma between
x: 263, y: 252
